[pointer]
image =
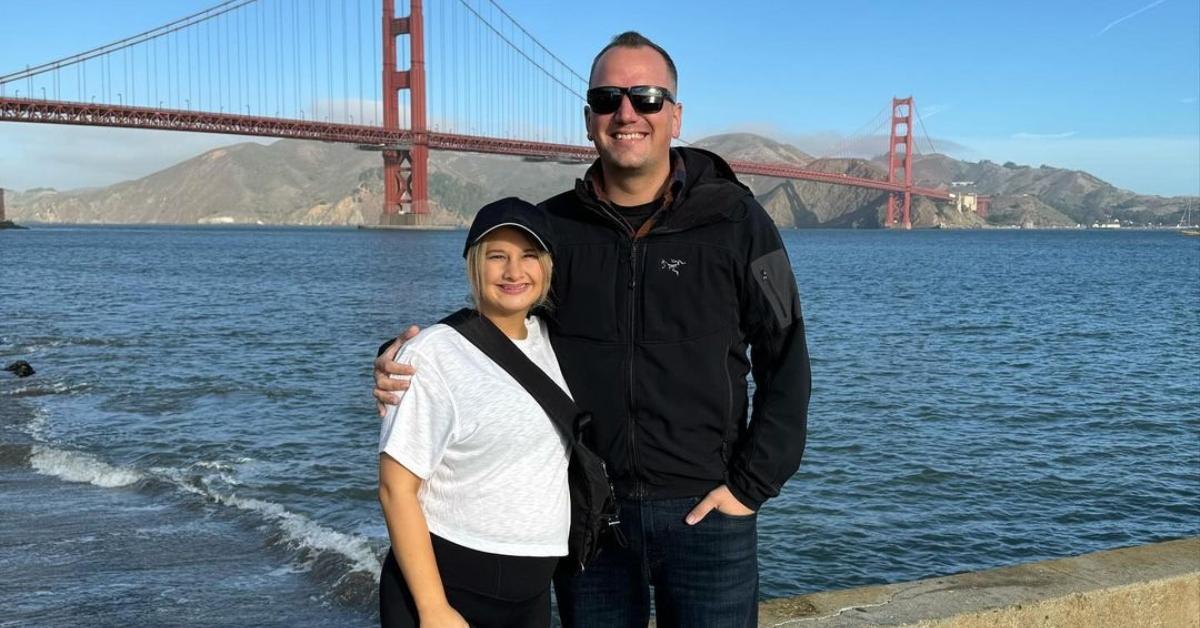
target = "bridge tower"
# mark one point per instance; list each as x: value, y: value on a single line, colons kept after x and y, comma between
x: 405, y: 167
x: 2, y: 205
x: 900, y: 156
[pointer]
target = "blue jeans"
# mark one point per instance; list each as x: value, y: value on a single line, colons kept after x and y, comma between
x: 704, y: 575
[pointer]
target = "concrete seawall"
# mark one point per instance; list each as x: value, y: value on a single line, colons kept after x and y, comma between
x: 1150, y: 585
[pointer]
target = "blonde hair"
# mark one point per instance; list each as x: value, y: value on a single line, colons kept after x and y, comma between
x: 476, y: 260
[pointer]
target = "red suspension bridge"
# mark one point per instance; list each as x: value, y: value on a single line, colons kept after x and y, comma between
x: 459, y: 75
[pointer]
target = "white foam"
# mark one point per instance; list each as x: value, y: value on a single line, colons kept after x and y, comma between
x: 42, y: 388
x: 38, y: 426
x: 297, y: 529
x: 304, y: 532
x: 74, y: 466
x: 222, y: 464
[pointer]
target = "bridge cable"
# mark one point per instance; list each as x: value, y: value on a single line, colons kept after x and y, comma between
x: 195, y: 18
x: 240, y: 41
x: 536, y: 41
x: 361, y: 91
x: 523, y: 53
x: 855, y: 135
x: 926, y: 133
x: 329, y: 59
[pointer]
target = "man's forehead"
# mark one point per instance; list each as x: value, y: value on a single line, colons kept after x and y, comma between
x: 642, y: 65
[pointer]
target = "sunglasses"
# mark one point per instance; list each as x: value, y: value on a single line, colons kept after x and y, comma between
x: 644, y: 98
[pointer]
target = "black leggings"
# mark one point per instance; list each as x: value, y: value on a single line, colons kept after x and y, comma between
x: 488, y: 590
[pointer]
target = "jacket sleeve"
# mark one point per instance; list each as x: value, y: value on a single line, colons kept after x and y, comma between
x: 769, y: 451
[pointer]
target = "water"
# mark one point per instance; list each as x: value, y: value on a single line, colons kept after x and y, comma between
x: 197, y: 447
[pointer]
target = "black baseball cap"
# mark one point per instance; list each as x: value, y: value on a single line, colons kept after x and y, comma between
x: 510, y: 212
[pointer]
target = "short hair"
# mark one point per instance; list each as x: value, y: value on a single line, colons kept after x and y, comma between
x: 634, y: 39
x: 476, y: 259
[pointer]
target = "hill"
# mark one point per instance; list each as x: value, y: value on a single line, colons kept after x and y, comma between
x: 1046, y: 196
x: 312, y: 183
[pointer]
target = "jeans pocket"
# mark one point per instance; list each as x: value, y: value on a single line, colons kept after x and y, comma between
x: 750, y: 517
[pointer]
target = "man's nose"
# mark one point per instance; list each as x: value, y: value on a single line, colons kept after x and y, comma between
x: 625, y: 112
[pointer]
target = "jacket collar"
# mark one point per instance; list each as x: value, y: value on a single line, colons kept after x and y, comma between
x: 701, y: 189
x: 594, y: 182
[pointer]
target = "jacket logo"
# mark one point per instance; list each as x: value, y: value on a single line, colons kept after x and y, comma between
x: 672, y: 265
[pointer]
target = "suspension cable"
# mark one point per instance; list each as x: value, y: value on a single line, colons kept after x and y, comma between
x: 933, y: 151
x: 195, y: 18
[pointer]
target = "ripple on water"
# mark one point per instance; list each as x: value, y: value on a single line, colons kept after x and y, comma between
x: 979, y: 399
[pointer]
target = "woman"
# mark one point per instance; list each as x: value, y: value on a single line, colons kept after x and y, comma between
x: 472, y: 473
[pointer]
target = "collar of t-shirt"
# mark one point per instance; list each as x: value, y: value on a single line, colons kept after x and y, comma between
x: 637, y: 215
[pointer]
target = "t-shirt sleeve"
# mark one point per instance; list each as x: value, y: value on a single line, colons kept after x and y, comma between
x: 417, y: 430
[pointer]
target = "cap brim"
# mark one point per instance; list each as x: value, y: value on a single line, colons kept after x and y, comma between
x: 520, y: 226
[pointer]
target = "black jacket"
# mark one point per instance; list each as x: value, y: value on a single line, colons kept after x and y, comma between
x: 652, y: 333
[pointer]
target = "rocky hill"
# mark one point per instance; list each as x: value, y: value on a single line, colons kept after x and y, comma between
x: 1046, y: 196
x: 311, y: 183
x: 751, y: 147
x: 287, y: 182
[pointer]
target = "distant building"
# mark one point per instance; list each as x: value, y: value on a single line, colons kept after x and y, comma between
x: 971, y: 202
x: 968, y: 202
x: 2, y: 218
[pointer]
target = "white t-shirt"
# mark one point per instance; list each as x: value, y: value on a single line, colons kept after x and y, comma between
x: 494, y: 466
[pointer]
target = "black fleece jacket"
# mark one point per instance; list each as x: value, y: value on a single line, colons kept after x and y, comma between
x: 652, y: 330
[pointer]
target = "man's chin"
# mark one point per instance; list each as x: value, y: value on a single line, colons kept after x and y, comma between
x: 624, y: 162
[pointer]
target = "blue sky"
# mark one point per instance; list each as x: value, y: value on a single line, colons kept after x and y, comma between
x: 1107, y: 86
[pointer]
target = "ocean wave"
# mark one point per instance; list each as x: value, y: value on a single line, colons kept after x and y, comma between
x: 221, y: 464
x: 348, y: 563
x: 74, y: 466
x: 41, y: 389
x: 312, y: 538
x: 39, y: 424
x: 30, y: 345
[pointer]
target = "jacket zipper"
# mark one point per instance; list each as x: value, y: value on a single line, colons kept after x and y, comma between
x: 635, y: 464
x: 633, y: 456
x: 728, y: 433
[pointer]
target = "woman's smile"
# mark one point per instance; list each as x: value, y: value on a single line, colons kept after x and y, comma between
x: 515, y: 288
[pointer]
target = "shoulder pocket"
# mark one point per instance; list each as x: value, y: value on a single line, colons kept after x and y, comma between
x: 773, y: 275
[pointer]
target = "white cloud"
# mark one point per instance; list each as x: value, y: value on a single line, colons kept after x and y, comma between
x: 1043, y: 136
x: 933, y: 110
x: 354, y: 111
x: 1122, y: 19
x: 831, y: 143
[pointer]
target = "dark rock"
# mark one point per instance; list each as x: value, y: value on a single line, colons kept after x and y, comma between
x: 20, y: 368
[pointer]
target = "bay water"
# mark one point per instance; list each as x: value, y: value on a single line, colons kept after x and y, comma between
x: 197, y: 447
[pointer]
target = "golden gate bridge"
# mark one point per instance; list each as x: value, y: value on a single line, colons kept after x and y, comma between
x: 456, y: 75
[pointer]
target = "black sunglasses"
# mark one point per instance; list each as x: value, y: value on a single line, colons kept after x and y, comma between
x: 644, y: 98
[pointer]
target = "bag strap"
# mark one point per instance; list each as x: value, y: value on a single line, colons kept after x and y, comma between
x: 482, y: 333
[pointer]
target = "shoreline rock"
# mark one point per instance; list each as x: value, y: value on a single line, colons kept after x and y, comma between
x: 20, y: 368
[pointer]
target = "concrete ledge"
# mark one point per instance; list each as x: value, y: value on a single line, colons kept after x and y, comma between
x: 1151, y: 585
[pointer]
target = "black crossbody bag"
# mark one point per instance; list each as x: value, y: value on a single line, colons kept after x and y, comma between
x: 594, y: 511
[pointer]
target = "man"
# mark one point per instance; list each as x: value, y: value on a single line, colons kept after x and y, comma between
x: 667, y: 270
